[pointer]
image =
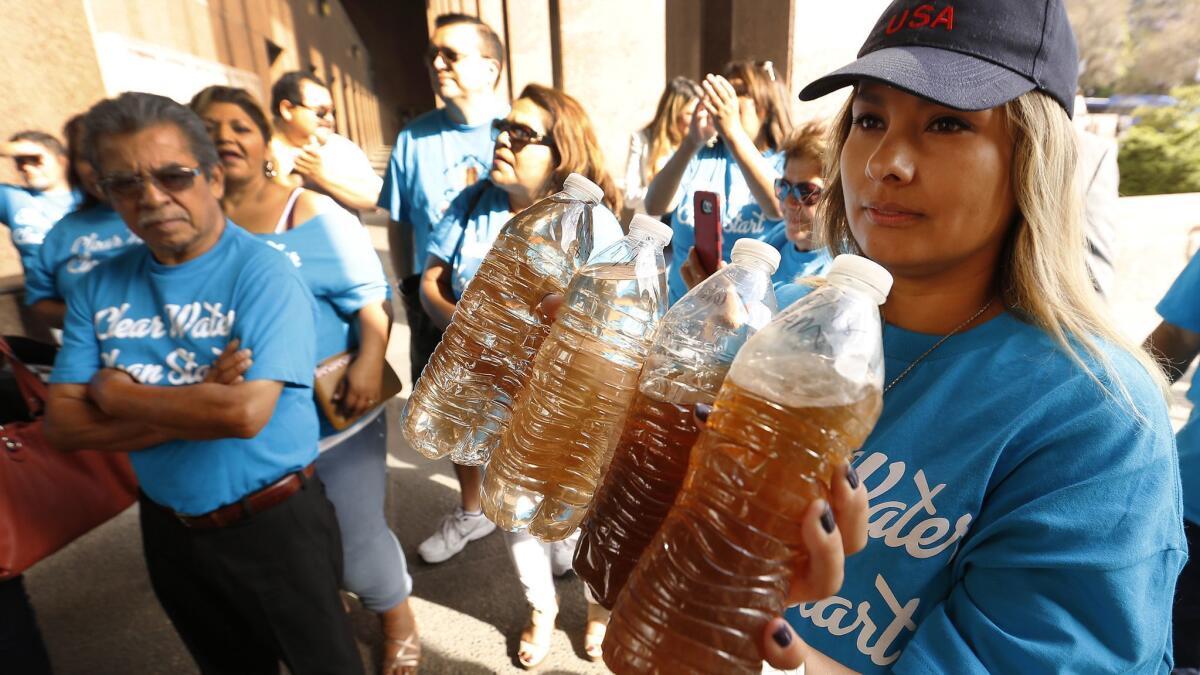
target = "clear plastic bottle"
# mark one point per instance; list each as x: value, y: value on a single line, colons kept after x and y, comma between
x: 463, y: 399
x: 694, y: 346
x: 801, y: 397
x: 552, y: 454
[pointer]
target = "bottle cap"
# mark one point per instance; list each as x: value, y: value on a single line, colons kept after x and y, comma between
x: 757, y: 250
x: 583, y: 188
x: 861, y: 273
x: 651, y: 226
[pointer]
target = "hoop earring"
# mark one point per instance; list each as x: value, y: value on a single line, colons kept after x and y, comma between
x: 269, y: 169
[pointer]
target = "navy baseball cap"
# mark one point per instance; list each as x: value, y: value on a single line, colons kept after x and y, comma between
x: 966, y: 54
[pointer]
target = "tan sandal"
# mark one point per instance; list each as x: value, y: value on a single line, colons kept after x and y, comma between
x: 536, y: 639
x: 405, y: 655
x: 593, y: 637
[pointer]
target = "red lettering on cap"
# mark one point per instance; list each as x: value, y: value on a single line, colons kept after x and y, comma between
x: 921, y: 18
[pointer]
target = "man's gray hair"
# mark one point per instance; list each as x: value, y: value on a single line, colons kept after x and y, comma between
x: 134, y: 111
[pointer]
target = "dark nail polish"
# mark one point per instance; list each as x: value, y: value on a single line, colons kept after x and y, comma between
x: 827, y: 520
x: 782, y: 636
x: 703, y: 410
x: 852, y: 477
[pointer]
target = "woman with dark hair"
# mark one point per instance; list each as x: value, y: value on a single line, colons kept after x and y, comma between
x: 546, y: 137
x: 651, y: 146
x: 82, y: 239
x: 44, y: 196
x: 731, y: 148
x: 338, y: 262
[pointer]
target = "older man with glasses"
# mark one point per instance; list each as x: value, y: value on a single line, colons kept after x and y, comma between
x: 437, y: 156
x: 44, y: 195
x: 194, y: 354
x: 306, y: 149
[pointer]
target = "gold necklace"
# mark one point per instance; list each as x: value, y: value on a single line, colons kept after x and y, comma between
x: 937, y: 344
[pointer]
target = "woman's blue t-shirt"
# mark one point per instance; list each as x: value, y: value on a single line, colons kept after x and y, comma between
x: 463, y: 239
x: 76, y: 244
x: 1181, y: 307
x: 714, y: 169
x: 335, y: 257
x: 31, y: 213
x: 1021, y: 520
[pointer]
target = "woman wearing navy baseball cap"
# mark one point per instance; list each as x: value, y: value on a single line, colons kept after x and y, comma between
x: 1024, y: 492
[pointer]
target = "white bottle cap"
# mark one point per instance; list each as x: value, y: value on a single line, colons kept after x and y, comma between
x: 757, y: 250
x: 582, y: 188
x: 859, y: 272
x: 649, y: 225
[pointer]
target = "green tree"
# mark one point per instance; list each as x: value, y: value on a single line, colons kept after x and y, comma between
x: 1161, y: 153
x: 1102, y: 33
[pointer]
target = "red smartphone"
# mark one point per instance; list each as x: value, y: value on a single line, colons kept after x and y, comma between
x: 706, y: 211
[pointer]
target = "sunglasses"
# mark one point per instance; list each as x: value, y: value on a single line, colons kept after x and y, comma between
x: 22, y: 160
x: 322, y: 112
x: 519, y: 134
x: 172, y: 179
x: 448, y: 55
x: 806, y: 193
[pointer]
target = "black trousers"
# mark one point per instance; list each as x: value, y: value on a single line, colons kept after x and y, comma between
x: 424, y: 336
x: 264, y: 590
x: 1186, y: 615
x: 21, y: 648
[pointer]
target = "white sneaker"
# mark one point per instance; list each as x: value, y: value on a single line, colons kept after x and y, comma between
x: 456, y: 530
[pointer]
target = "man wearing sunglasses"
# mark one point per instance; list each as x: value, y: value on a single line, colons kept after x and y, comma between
x: 436, y: 156
x: 194, y: 354
x: 308, y: 151
x: 43, y: 197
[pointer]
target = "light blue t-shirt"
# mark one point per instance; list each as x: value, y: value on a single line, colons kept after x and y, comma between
x: 1181, y: 307
x: 31, y: 213
x: 463, y: 240
x: 434, y: 160
x: 166, y: 324
x: 1021, y: 520
x: 337, y: 260
x: 794, y: 263
x: 76, y: 244
x: 715, y: 170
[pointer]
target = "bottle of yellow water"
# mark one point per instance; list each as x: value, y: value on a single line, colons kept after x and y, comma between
x: 801, y: 397
x: 551, y: 456
x: 463, y: 399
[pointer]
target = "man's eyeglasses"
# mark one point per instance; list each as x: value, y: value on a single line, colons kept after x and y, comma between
x: 806, y: 193
x: 448, y: 55
x: 518, y: 134
x: 322, y: 112
x: 171, y: 179
x: 22, y: 160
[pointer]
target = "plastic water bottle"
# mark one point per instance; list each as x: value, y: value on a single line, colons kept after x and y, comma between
x: 693, y: 349
x: 801, y: 397
x: 463, y: 399
x: 553, y: 453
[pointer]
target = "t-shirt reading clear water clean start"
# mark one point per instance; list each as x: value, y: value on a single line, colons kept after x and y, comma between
x: 434, y: 160
x: 166, y: 324
x: 31, y: 213
x: 463, y: 240
x: 1181, y: 307
x: 1021, y: 520
x: 715, y: 170
x: 76, y: 244
x: 338, y: 263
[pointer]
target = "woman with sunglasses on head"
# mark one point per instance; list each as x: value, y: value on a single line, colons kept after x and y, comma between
x: 731, y: 148
x: 652, y: 146
x: 335, y: 257
x: 545, y: 137
x: 44, y: 196
x: 82, y: 239
x: 1026, y: 510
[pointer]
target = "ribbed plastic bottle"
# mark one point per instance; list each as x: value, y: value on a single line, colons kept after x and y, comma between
x: 463, y: 399
x: 553, y: 453
x: 694, y: 346
x: 801, y: 397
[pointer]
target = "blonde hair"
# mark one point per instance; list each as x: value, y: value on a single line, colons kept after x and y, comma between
x: 807, y: 142
x: 1042, y: 274
x: 663, y: 133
